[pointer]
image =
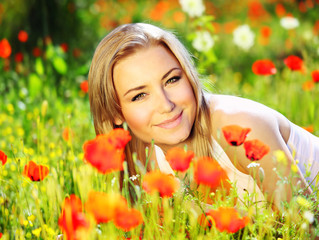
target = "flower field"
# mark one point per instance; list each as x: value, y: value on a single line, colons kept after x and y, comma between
x: 55, y: 182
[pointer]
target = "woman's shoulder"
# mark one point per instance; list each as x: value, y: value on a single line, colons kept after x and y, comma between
x: 229, y: 110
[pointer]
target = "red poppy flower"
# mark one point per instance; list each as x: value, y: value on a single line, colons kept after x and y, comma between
x: 3, y: 157
x: 264, y: 67
x: 67, y: 134
x: 84, y: 86
x: 255, y: 149
x: 256, y: 11
x: 0, y: 235
x: 309, y: 128
x: 127, y: 219
x: 23, y: 36
x: 179, y: 159
x: 227, y: 219
x: 119, y: 137
x: 235, y: 135
x: 294, y: 63
x: 156, y: 181
x: 64, y: 46
x: 35, y: 172
x: 72, y: 220
x: 5, y: 48
x: 315, y: 76
x: 208, y: 172
x: 18, y: 57
x: 280, y: 10
x: 104, y: 206
x: 36, y: 52
x: 265, y: 31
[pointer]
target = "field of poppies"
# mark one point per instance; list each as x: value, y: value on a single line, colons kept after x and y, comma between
x: 55, y: 181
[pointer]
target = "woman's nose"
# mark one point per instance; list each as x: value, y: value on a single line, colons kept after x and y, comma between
x: 164, y: 103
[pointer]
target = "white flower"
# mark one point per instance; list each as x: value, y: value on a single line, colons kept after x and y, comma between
x: 194, y: 8
x: 253, y: 164
x: 244, y: 37
x: 134, y: 177
x: 289, y: 22
x: 203, y: 41
x: 309, y: 216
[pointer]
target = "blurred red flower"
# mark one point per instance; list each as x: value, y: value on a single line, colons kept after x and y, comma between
x: 23, y: 36
x: 227, y: 219
x: 179, y: 159
x: 84, y: 86
x: 0, y: 235
x: 264, y: 67
x: 159, y: 10
x: 265, y: 31
x: 315, y: 76
x: 5, y: 48
x: 36, y: 52
x: 308, y: 85
x: 294, y: 63
x: 3, y: 157
x: 67, y: 134
x: 156, y: 181
x: 127, y: 219
x: 255, y: 149
x: 235, y: 135
x: 35, y: 172
x: 208, y: 172
x: 309, y: 128
x: 106, y: 152
x: 64, y: 46
x: 72, y: 220
x: 280, y: 10
x: 256, y: 11
x: 104, y: 206
x: 18, y: 57
x: 316, y: 28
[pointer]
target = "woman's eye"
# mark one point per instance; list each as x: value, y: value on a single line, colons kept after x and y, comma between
x: 172, y: 80
x: 138, y: 97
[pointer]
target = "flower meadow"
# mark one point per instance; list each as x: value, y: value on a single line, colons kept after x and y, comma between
x: 58, y: 180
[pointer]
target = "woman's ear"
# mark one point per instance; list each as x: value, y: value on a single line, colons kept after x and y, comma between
x: 118, y: 121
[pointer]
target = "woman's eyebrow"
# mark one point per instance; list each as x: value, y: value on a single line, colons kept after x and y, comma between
x: 134, y: 89
x: 166, y: 74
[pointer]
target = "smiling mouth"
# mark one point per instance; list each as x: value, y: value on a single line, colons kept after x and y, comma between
x: 171, y: 123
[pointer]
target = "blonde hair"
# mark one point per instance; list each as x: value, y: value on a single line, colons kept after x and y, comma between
x: 121, y: 42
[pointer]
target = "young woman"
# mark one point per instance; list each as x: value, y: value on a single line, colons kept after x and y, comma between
x: 142, y: 75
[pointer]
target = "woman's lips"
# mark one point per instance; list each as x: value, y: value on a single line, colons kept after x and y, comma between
x: 171, y: 123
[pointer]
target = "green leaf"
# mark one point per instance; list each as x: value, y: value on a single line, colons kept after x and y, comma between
x: 60, y: 65
x: 35, y: 85
x: 39, y: 66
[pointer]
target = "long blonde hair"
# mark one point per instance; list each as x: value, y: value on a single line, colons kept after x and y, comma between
x: 126, y: 40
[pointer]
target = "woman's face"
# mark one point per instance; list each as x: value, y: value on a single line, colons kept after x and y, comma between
x: 155, y: 95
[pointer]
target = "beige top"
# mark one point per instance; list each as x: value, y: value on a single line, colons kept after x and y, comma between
x: 245, y: 184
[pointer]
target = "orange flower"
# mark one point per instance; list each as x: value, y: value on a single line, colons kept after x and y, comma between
x: 127, y: 219
x: 3, y: 157
x: 84, y: 86
x: 208, y: 172
x: 264, y: 67
x: 309, y: 128
x: 0, y: 235
x: 23, y: 36
x: 308, y: 85
x: 235, y: 135
x: 72, y: 220
x: 159, y: 10
x: 18, y: 57
x: 294, y: 63
x: 156, y: 181
x: 104, y: 206
x: 35, y: 172
x: 265, y: 31
x: 315, y: 76
x: 179, y: 159
x: 227, y: 219
x: 66, y: 134
x: 5, y: 48
x: 255, y: 149
x: 256, y: 11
